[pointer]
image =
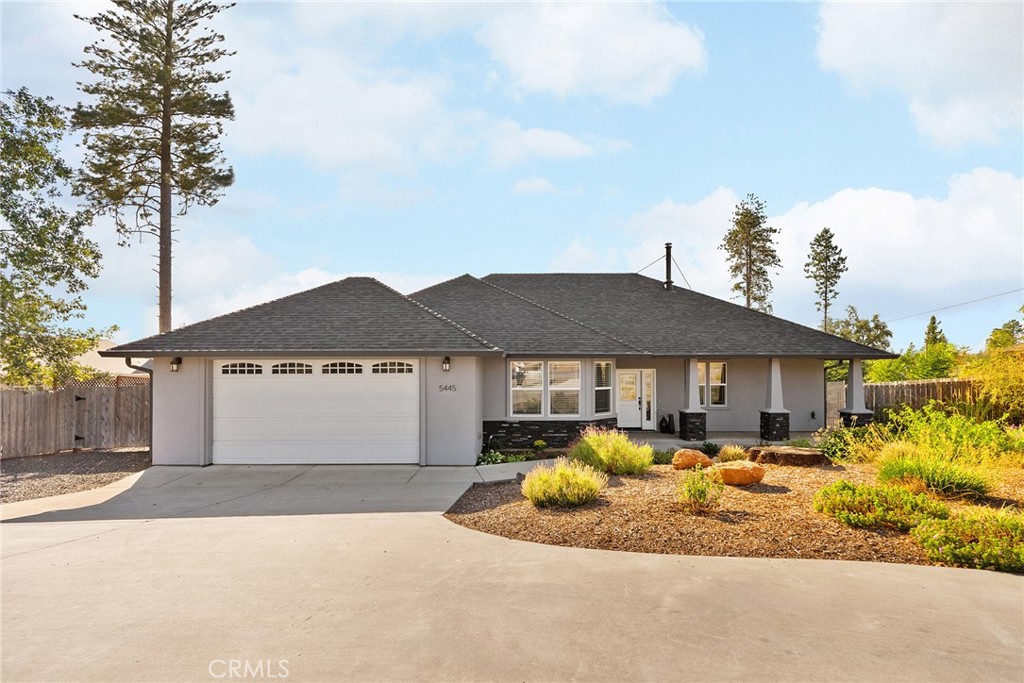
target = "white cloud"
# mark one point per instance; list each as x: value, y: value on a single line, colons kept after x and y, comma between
x: 960, y: 65
x: 534, y: 185
x: 509, y: 144
x: 622, y: 52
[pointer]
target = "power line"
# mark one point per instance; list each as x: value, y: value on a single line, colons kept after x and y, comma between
x: 966, y: 303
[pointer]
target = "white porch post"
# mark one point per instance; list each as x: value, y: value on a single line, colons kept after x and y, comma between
x: 855, y: 388
x: 691, y: 395
x: 773, y: 397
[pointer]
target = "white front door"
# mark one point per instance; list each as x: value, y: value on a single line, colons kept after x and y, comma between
x: 635, y: 400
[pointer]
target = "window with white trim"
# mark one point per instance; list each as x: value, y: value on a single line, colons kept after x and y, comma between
x: 563, y: 387
x: 527, y: 382
x: 603, y: 373
x: 392, y: 367
x: 712, y: 381
x: 291, y: 368
x: 241, y: 369
x: 341, y: 368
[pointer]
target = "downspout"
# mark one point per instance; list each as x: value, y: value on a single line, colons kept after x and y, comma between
x: 148, y: 371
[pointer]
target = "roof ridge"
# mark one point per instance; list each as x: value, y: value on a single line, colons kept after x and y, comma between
x: 469, y: 333
x: 563, y: 316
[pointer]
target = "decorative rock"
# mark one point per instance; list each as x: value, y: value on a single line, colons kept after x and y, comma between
x: 739, y: 472
x: 687, y: 459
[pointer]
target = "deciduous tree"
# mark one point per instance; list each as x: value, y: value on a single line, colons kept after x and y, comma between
x: 825, y: 265
x: 45, y: 257
x: 152, y: 132
x: 750, y: 249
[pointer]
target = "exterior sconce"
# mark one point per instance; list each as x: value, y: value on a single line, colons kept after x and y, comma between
x: 446, y: 364
x: 175, y: 364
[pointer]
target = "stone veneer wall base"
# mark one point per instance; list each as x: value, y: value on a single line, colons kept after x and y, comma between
x: 774, y: 426
x: 522, y: 433
x: 693, y: 426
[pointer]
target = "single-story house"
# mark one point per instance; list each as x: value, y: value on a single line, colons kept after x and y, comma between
x: 355, y: 372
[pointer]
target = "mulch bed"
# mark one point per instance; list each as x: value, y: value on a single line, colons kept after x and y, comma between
x: 772, y: 519
x: 40, y: 476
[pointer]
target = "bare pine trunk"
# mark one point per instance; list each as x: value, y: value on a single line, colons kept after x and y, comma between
x: 164, y: 265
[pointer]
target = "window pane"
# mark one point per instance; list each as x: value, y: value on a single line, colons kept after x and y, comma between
x: 603, y: 401
x: 565, y: 402
x: 702, y: 373
x: 718, y: 395
x: 527, y: 375
x: 627, y: 387
x: 701, y: 389
x: 565, y: 375
x: 717, y: 373
x: 526, y: 402
x: 602, y: 375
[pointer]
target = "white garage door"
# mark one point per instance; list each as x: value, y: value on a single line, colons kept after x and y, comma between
x: 316, y: 411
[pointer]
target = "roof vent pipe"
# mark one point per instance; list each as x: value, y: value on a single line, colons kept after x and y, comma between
x: 668, y: 266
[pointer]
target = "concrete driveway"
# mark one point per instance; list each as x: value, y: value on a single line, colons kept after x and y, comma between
x: 351, y: 573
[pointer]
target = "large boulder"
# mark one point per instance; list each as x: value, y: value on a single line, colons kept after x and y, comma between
x: 738, y: 472
x: 687, y: 459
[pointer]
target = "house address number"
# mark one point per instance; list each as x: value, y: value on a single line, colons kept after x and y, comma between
x: 446, y: 387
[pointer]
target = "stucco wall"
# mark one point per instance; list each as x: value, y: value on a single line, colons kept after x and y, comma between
x: 180, y: 412
x: 452, y: 410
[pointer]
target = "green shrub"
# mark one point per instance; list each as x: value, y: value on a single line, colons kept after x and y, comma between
x: 663, y: 457
x: 698, y: 491
x: 835, y: 444
x: 862, y: 505
x: 610, y: 450
x: 800, y: 443
x: 731, y: 451
x: 497, y: 457
x: 980, y: 539
x: 711, y: 448
x: 568, y: 483
x: 540, y: 445
x: 916, y: 469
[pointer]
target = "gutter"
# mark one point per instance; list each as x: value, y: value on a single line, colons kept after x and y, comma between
x: 148, y: 371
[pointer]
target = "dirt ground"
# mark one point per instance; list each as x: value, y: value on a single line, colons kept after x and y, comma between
x: 772, y: 519
x: 52, y: 475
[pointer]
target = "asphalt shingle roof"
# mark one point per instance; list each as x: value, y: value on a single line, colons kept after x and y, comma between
x: 640, y: 312
x: 515, y: 324
x: 357, y: 315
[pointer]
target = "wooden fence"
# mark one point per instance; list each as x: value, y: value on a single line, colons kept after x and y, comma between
x: 917, y: 393
x: 40, y: 422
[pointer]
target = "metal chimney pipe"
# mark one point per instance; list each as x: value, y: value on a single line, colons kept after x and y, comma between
x: 668, y: 266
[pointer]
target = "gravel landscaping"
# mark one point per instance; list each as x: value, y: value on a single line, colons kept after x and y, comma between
x: 52, y: 475
x: 772, y: 519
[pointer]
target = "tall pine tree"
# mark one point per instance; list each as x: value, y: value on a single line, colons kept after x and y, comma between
x: 825, y: 265
x: 933, y: 334
x: 152, y: 132
x: 750, y: 249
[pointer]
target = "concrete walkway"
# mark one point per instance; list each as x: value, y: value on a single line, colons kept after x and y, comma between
x: 347, y: 573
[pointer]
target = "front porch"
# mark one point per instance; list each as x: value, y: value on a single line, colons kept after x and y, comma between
x: 664, y: 442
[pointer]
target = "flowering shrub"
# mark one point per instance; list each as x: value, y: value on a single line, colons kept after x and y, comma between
x: 980, y: 539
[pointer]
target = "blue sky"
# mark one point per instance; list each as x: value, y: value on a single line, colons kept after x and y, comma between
x: 416, y: 142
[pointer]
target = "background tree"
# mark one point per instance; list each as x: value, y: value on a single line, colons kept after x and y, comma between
x: 1010, y: 333
x: 871, y: 332
x: 750, y: 249
x: 152, y: 134
x: 933, y: 334
x: 45, y: 258
x: 825, y: 265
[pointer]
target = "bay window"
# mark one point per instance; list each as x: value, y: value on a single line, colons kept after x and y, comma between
x: 545, y: 388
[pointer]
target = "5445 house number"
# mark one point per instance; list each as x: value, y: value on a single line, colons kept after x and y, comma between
x: 446, y: 387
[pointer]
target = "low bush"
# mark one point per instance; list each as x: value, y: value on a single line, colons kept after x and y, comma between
x: 980, y: 539
x: 663, y: 457
x: 540, y: 445
x: 567, y: 483
x: 711, y: 448
x: 837, y: 444
x: 800, y: 443
x: 497, y: 457
x: 611, y: 451
x: 865, y: 506
x: 730, y: 452
x: 698, y: 490
x: 916, y: 469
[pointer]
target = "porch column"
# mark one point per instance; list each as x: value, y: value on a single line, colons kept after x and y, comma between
x: 774, y: 416
x: 855, y: 412
x: 693, y: 418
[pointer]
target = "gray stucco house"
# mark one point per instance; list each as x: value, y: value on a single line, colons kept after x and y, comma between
x: 355, y: 372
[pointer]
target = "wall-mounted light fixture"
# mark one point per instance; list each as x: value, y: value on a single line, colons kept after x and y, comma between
x: 446, y: 364
x: 175, y: 364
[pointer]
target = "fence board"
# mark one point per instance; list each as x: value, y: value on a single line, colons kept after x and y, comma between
x: 40, y: 422
x: 916, y: 393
